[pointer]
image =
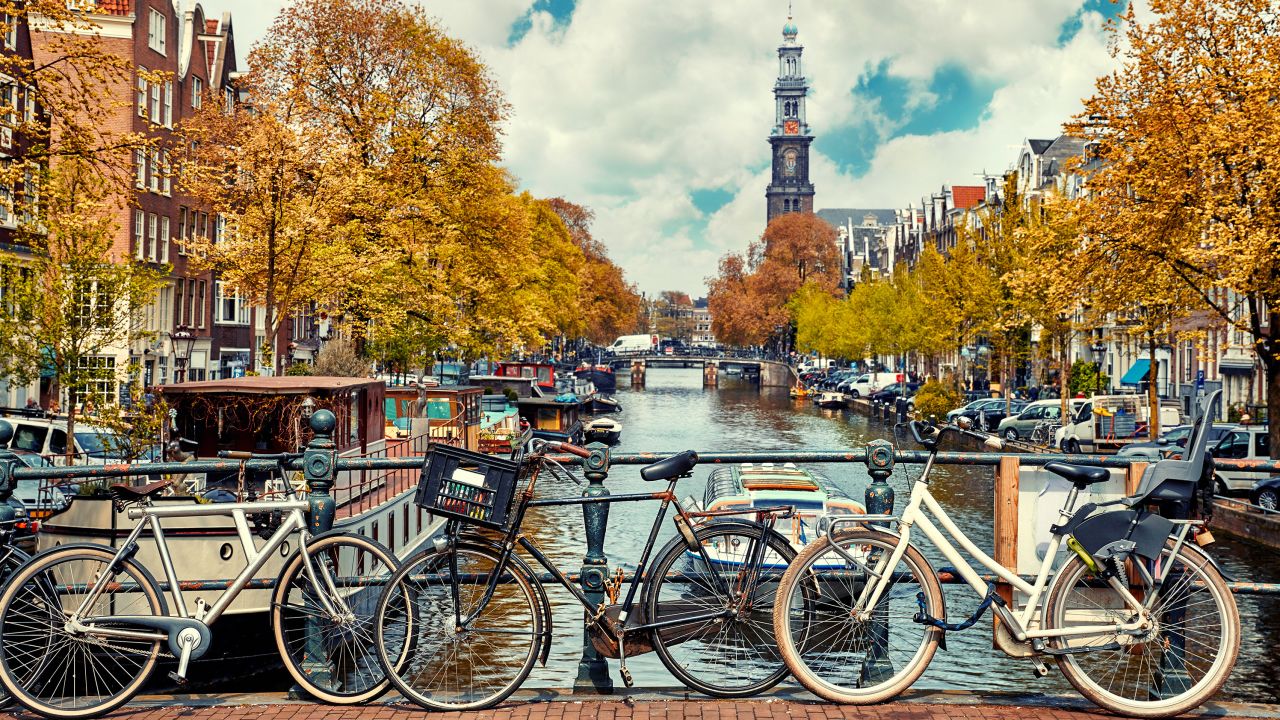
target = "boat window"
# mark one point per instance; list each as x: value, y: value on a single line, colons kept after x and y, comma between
x: 438, y: 408
x: 526, y: 372
x: 544, y: 374
x: 548, y: 419
x: 354, y: 425
x: 391, y: 410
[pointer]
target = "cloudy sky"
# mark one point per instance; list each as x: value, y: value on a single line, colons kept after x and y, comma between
x: 655, y: 113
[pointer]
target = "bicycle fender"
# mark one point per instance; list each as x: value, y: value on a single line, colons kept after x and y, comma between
x: 544, y: 604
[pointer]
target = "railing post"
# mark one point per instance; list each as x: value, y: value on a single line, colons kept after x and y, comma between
x: 879, y: 501
x: 593, y: 670
x: 319, y: 467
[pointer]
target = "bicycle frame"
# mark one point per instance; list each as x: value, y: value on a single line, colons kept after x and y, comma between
x: 922, y: 505
x: 150, y: 516
x: 514, y: 537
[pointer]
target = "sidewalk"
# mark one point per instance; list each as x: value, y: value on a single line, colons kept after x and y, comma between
x: 654, y: 705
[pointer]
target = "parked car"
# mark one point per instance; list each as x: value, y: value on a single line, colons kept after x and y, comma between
x: 94, y: 445
x: 24, y: 528
x: 891, y: 392
x: 868, y: 383
x: 834, y: 379
x: 1019, y: 426
x: 1244, y: 442
x: 1266, y: 494
x: 1171, y: 442
x: 40, y: 499
x: 988, y: 413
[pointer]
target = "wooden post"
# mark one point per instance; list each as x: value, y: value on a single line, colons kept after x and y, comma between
x: 1006, y: 525
x: 1134, y: 477
x: 710, y: 374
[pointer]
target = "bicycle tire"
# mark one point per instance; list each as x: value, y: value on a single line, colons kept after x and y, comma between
x: 421, y: 656
x: 1209, y: 646
x: 692, y: 653
x: 349, y: 671
x: 40, y: 661
x: 833, y: 654
x: 11, y: 558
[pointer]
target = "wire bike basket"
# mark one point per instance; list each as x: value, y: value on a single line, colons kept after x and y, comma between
x: 471, y: 487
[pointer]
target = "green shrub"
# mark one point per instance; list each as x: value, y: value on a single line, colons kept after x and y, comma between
x: 936, y: 399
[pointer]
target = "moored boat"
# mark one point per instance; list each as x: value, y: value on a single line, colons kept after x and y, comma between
x: 601, y: 376
x: 605, y: 430
x: 604, y: 404
x: 747, y: 486
x: 832, y: 400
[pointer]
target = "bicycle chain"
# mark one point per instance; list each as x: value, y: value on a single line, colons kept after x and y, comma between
x: 160, y: 655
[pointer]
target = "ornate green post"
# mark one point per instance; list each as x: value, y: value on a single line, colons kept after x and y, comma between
x: 879, y: 501
x: 318, y: 466
x: 593, y: 670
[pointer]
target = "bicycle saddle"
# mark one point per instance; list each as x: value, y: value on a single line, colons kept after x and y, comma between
x: 672, y: 467
x: 1081, y: 476
x: 130, y: 493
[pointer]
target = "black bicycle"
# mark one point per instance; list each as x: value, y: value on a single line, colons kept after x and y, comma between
x: 481, y: 618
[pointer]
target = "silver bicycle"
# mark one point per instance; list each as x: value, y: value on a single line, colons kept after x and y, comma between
x: 85, y: 625
x: 1137, y: 617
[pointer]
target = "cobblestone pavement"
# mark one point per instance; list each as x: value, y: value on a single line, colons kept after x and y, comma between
x: 549, y: 705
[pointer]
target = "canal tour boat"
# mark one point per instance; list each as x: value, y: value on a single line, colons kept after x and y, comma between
x: 263, y: 415
x: 751, y: 485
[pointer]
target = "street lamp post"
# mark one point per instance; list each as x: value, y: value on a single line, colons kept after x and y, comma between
x: 183, y: 340
x: 1099, y: 354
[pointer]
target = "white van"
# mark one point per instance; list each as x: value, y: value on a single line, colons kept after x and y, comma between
x: 634, y: 345
x: 867, y: 383
x: 1105, y: 423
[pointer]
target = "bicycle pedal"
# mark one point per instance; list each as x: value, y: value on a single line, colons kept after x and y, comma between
x: 626, y: 677
x: 177, y: 679
x: 1040, y: 670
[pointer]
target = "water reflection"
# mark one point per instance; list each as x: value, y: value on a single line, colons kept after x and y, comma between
x: 674, y: 413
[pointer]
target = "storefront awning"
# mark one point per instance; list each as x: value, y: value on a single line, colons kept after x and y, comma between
x: 1138, y: 372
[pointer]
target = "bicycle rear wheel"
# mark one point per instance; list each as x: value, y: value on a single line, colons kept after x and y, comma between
x: 331, y: 654
x: 63, y: 674
x: 11, y: 559
x: 836, y: 647
x: 732, y: 656
x: 1178, y: 664
x: 440, y: 663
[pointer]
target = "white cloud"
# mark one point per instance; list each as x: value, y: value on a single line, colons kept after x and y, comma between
x: 637, y: 103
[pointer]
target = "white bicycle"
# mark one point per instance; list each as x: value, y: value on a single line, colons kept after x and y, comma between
x: 1137, y: 617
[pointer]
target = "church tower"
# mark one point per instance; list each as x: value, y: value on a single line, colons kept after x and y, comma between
x: 790, y: 189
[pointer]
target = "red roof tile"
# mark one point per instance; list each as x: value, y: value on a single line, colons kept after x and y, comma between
x: 964, y: 197
x: 113, y: 7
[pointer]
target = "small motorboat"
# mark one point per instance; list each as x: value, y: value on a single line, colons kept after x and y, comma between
x: 604, y: 430
x: 832, y: 400
x: 799, y: 391
x: 605, y: 404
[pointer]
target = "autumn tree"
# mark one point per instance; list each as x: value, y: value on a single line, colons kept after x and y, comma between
x: 607, y: 303
x: 673, y: 313
x: 73, y: 303
x: 1188, y: 148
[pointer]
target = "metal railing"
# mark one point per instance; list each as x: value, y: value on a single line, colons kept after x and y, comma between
x: 391, y: 469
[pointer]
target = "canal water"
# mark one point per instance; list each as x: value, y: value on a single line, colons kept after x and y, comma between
x: 675, y: 413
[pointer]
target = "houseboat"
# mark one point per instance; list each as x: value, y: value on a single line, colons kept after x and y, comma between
x: 601, y: 376
x: 501, y: 430
x: 264, y: 415
x: 747, y: 486
x: 550, y: 413
x: 449, y: 414
x: 543, y: 373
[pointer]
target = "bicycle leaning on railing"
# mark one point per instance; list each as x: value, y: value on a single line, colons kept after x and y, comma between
x: 11, y: 558
x: 1137, y: 617
x: 84, y: 625
x: 480, y: 617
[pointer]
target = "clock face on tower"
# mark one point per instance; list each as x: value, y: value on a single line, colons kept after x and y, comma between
x: 791, y: 127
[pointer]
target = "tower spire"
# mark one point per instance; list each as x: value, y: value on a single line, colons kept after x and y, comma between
x: 790, y: 190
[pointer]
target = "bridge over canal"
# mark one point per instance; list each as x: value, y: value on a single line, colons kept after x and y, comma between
x: 766, y: 373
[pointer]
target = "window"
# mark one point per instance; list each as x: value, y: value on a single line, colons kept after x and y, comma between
x: 165, y: 171
x: 9, y: 107
x: 182, y: 230
x: 142, y: 92
x: 219, y: 228
x: 229, y: 308
x: 6, y: 208
x: 140, y: 168
x: 139, y: 219
x: 155, y: 31
x: 155, y: 115
x: 228, y: 100
x: 30, y: 196
x: 164, y: 238
x: 201, y: 289
x: 101, y: 385
x: 197, y: 92
x: 156, y: 171
x: 168, y: 104
x: 151, y: 236
x: 28, y: 104
x: 201, y: 229
x: 10, y: 31
x: 180, y: 304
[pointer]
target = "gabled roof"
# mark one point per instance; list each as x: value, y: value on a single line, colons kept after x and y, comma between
x: 1039, y: 146
x: 113, y: 7
x: 837, y: 217
x: 964, y: 197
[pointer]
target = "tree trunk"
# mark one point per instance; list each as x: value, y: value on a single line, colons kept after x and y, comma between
x: 1153, y: 395
x: 1272, y: 366
x: 71, y: 425
x: 1063, y: 387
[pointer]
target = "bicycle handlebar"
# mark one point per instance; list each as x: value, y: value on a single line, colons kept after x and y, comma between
x: 569, y: 448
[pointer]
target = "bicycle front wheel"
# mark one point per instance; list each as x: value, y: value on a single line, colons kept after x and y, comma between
x: 1171, y: 667
x: 457, y: 647
x: 838, y: 645
x: 60, y: 673
x: 727, y: 649
x: 324, y: 624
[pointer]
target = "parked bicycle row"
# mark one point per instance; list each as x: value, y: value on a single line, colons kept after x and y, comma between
x: 1135, y: 613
